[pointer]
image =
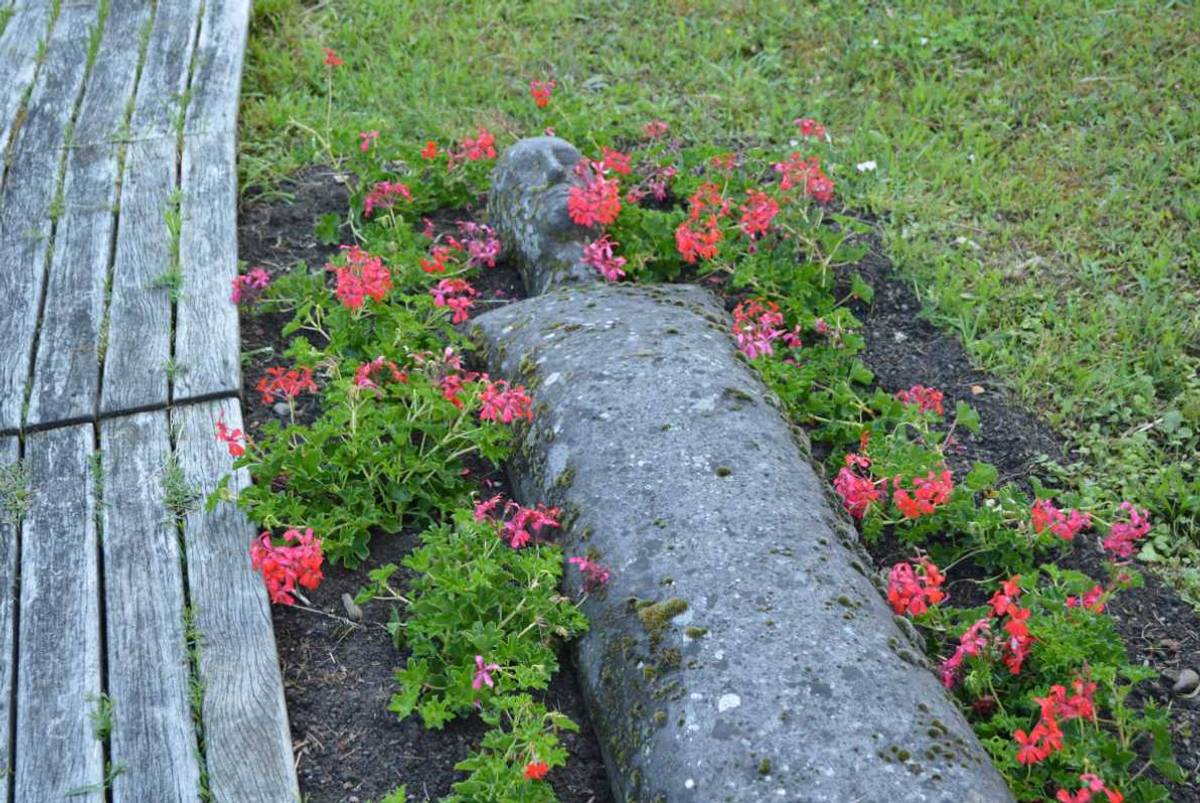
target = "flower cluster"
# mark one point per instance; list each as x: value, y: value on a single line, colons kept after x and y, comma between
x: 810, y: 128
x: 757, y: 213
x: 970, y: 643
x: 654, y: 184
x: 1013, y: 644
x: 282, y: 383
x: 615, y: 161
x: 519, y: 525
x: 536, y: 770
x: 1093, y: 785
x: 912, y: 590
x: 1093, y: 600
x: 1046, y: 737
x: 1017, y: 640
x: 755, y: 325
x: 247, y: 286
x: 1045, y: 516
x: 540, y: 91
x: 366, y: 140
x: 600, y: 256
x: 594, y: 575
x: 364, y: 376
x: 480, y: 242
x: 482, y: 147
x: 439, y: 255
x: 1122, y: 534
x: 384, y: 195
x: 456, y: 294
x: 655, y: 129
x: 502, y: 402
x: 929, y: 492
x: 927, y: 400
x: 296, y: 562
x: 231, y: 437
x: 698, y: 237
x: 807, y: 173
x: 598, y: 200
x: 857, y: 492
x: 363, y: 275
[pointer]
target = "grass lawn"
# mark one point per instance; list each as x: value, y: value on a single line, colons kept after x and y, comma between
x: 1037, y: 165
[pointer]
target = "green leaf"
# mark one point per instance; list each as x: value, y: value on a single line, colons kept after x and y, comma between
x: 967, y: 416
x: 859, y: 288
x: 327, y: 229
x: 982, y: 476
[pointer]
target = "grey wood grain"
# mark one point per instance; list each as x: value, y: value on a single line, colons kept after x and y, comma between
x: 249, y: 751
x: 206, y: 321
x: 8, y: 612
x: 165, y: 72
x: 66, y: 375
x: 58, y: 675
x: 217, y: 81
x: 29, y: 25
x: 138, y: 342
x: 153, y: 734
x: 29, y: 191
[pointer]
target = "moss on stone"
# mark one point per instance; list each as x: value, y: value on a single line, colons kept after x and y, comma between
x: 657, y: 615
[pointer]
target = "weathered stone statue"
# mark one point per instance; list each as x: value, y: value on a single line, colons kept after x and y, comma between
x: 741, y: 650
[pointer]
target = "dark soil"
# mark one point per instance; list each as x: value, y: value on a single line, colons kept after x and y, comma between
x: 338, y: 674
x: 339, y: 677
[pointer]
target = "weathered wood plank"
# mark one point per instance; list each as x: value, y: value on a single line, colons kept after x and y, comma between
x: 66, y: 375
x: 138, y: 342
x: 153, y: 734
x: 25, y: 207
x: 58, y: 663
x: 139, y: 332
x: 245, y: 720
x: 206, y: 322
x: 8, y: 612
x: 26, y: 28
x: 165, y: 72
x: 216, y: 84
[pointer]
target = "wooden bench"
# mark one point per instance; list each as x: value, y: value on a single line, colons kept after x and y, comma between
x: 119, y: 351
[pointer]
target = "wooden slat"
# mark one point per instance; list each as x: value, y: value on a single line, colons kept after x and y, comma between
x: 139, y: 328
x: 206, y: 333
x: 245, y: 721
x: 206, y: 323
x: 153, y: 734
x: 66, y: 374
x: 165, y: 72
x: 28, y: 26
x: 138, y: 344
x: 28, y: 195
x: 58, y: 675
x: 217, y: 81
x: 8, y: 612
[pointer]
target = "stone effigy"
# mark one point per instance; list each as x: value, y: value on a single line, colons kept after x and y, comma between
x: 741, y: 650
x: 528, y: 202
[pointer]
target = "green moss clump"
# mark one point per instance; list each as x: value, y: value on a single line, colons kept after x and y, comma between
x: 764, y: 767
x: 656, y: 616
x: 696, y: 632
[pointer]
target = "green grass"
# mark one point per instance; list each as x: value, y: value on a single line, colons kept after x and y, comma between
x: 1037, y: 172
